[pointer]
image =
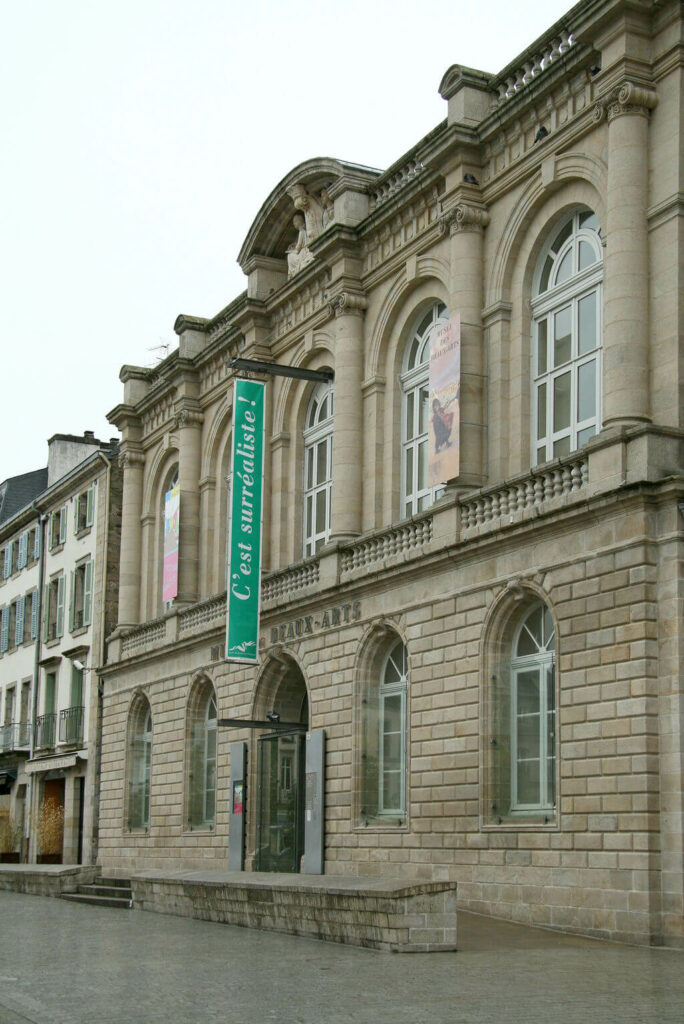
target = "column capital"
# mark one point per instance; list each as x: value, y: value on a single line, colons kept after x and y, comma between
x: 188, y: 417
x: 626, y: 98
x: 347, y: 304
x: 463, y: 217
x: 131, y: 457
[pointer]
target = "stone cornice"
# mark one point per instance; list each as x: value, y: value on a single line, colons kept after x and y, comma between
x: 124, y: 416
x: 190, y: 323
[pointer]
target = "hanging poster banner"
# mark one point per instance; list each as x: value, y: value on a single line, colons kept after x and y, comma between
x: 171, y: 534
x: 444, y: 409
x: 244, y: 547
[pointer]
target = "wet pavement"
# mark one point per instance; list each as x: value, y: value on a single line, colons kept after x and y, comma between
x: 62, y: 963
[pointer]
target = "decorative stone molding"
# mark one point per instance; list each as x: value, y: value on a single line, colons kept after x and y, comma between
x: 463, y: 217
x: 148, y: 519
x: 188, y: 418
x: 627, y: 98
x: 130, y: 457
x: 345, y: 304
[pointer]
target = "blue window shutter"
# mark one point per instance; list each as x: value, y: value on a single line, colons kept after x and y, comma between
x: 4, y: 628
x: 34, y: 613
x: 72, y: 601
x: 60, y: 604
x: 19, y: 622
x: 7, y: 567
x: 22, y: 558
x: 90, y: 507
x: 76, y: 507
x: 36, y: 543
x: 88, y: 593
x: 62, y: 524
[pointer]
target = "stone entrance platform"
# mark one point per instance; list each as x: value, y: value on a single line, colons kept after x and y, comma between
x: 44, y: 879
x: 380, y: 913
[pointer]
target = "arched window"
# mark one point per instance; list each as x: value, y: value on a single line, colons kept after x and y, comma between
x: 318, y: 440
x: 383, y: 755
x: 139, y: 765
x: 416, y: 494
x: 566, y: 348
x: 523, y: 737
x: 202, y: 760
x: 170, y: 514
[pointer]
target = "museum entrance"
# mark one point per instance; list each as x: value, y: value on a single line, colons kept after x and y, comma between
x: 280, y: 777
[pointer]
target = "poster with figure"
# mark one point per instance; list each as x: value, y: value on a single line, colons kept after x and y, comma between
x: 444, y: 403
x: 244, y: 546
x: 171, y: 534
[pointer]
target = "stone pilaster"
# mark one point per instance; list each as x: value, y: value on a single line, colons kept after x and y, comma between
x: 625, y: 329
x: 465, y: 224
x: 133, y: 462
x: 347, y: 454
x: 189, y: 423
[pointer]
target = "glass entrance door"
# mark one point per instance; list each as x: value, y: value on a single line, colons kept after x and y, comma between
x: 280, y: 830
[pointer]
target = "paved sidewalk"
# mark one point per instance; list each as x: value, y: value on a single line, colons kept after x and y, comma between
x: 61, y: 963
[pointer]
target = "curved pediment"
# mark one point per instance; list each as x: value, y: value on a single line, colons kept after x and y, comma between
x: 309, y: 192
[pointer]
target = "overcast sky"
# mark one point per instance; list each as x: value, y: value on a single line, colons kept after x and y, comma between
x: 140, y: 139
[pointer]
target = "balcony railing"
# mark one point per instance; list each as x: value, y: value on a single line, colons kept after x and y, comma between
x: 14, y: 736
x: 71, y: 725
x: 44, y: 734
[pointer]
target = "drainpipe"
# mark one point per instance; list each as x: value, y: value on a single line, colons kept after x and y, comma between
x: 34, y: 682
x: 97, y: 753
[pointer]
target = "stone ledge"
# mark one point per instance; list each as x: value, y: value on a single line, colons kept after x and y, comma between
x: 44, y: 879
x: 377, y: 913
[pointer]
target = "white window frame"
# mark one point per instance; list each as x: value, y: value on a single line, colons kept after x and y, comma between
x: 543, y: 664
x: 546, y: 440
x: 413, y: 379
x: 317, y: 432
x: 397, y: 687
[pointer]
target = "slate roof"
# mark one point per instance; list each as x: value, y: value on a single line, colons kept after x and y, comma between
x: 18, y: 491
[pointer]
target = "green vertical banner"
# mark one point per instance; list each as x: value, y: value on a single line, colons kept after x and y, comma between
x: 244, y: 548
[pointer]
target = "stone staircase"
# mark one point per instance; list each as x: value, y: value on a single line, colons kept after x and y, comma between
x: 104, y: 892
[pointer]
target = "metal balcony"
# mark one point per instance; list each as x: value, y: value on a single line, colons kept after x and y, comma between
x: 14, y: 736
x: 71, y: 725
x: 44, y: 732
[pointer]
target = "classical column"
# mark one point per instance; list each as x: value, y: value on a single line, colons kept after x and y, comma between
x: 465, y: 223
x: 189, y: 423
x: 625, y: 328
x: 347, y: 453
x: 133, y: 462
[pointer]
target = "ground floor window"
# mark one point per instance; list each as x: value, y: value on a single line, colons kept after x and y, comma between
x: 522, y: 722
x: 203, y: 762
x: 140, y: 767
x: 383, y: 726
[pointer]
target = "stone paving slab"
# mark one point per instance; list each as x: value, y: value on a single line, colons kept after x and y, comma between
x: 67, y: 964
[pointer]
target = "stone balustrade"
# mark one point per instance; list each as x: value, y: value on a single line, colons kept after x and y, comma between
x: 393, y: 180
x: 509, y: 502
x: 405, y: 541
x: 202, y: 616
x: 289, y: 582
x: 144, y: 636
x: 515, y: 77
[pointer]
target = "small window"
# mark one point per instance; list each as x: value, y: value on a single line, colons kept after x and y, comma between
x: 202, y: 803
x: 53, y: 611
x: 57, y: 527
x: 80, y: 605
x: 84, y: 510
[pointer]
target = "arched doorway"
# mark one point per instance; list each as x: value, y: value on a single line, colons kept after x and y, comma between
x: 280, y: 767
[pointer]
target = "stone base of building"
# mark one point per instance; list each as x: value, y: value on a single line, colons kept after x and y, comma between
x: 377, y: 913
x: 44, y: 879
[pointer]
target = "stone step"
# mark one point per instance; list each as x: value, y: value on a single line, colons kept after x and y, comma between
x: 122, y: 902
x: 119, y: 883
x: 109, y: 891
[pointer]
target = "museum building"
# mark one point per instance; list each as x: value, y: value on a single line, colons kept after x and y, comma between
x: 489, y: 668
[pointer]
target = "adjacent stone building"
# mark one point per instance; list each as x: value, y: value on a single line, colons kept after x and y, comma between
x: 58, y: 594
x: 495, y: 662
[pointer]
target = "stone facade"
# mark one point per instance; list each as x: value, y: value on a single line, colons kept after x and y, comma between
x: 517, y: 631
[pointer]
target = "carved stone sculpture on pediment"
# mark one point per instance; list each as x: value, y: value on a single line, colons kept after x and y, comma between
x: 299, y: 254
x: 312, y: 216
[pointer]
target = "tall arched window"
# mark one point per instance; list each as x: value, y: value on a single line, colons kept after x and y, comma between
x: 202, y: 760
x: 318, y: 441
x: 170, y: 514
x: 522, y: 739
x: 383, y: 755
x: 566, y: 349
x: 416, y: 494
x: 139, y: 765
